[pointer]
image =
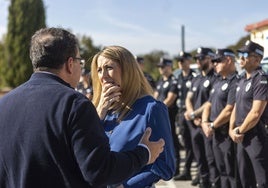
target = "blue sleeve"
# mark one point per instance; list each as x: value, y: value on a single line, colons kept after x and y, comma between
x: 164, y: 166
x: 141, y: 180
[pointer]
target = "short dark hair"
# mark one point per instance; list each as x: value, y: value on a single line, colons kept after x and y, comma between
x: 51, y: 47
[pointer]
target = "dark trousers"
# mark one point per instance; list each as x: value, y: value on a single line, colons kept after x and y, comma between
x: 252, y: 157
x: 172, y: 117
x: 223, y: 149
x: 214, y: 177
x: 198, y: 145
x: 202, y: 148
x: 186, y: 135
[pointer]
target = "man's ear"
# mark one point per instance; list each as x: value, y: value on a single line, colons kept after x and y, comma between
x: 69, y: 65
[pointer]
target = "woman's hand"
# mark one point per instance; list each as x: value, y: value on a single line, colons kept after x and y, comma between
x: 110, y: 93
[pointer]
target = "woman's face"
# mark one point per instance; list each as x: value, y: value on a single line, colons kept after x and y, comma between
x: 109, y: 72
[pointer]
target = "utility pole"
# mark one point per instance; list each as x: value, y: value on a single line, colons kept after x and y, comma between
x: 182, y: 39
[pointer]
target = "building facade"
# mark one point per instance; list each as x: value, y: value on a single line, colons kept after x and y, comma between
x: 259, y: 34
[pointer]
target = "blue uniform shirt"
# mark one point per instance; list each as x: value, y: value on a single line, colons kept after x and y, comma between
x: 123, y: 136
x: 201, y: 87
x: 223, y: 93
x: 253, y: 88
x: 184, y: 84
x: 165, y: 86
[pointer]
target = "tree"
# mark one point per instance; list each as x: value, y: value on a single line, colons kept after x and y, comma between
x: 151, y: 60
x: 25, y: 17
x: 87, y: 49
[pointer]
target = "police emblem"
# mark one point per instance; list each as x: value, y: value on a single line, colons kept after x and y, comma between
x: 224, y: 86
x: 188, y: 84
x: 165, y: 84
x: 206, y: 83
x: 248, y: 87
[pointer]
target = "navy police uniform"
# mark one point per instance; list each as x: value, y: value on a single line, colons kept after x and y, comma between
x: 202, y: 146
x: 252, y: 153
x: 184, y: 84
x: 223, y: 93
x: 163, y: 87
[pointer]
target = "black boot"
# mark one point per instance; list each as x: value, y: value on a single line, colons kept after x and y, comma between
x: 195, y: 181
x: 204, y: 184
x: 184, y: 176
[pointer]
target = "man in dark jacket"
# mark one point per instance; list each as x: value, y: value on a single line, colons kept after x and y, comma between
x: 50, y: 134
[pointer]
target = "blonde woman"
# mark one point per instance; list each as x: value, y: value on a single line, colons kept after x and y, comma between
x: 125, y: 104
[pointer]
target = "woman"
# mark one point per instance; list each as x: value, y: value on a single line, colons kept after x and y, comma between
x: 123, y: 99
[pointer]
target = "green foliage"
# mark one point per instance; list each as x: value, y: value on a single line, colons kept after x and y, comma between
x: 25, y: 17
x: 150, y: 61
x: 239, y: 44
x: 87, y: 49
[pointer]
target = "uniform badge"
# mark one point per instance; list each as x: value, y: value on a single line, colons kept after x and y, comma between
x: 165, y: 84
x: 224, y: 87
x: 194, y: 88
x: 188, y: 84
x: 206, y: 83
x: 248, y: 87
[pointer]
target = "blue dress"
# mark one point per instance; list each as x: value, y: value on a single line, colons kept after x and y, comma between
x: 123, y: 136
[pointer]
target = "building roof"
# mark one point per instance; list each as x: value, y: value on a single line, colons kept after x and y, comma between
x: 256, y: 25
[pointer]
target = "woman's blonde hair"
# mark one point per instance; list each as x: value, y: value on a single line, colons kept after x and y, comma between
x: 134, y: 84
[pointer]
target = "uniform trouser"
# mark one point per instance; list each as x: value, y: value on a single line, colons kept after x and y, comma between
x: 252, y: 157
x: 223, y: 149
x: 198, y: 145
x: 213, y: 171
x: 172, y: 117
x: 185, y: 132
x: 202, y: 148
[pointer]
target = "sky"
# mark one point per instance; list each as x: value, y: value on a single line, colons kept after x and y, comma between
x: 143, y: 26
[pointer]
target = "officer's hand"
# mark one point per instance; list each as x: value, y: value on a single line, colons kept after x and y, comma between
x: 155, y: 147
x: 197, y: 122
x: 206, y: 129
x: 238, y: 138
x: 187, y: 116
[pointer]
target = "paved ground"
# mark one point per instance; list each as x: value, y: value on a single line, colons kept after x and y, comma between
x: 174, y: 184
x: 179, y: 184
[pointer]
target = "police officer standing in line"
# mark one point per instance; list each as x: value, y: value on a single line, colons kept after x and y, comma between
x: 166, y: 91
x: 85, y: 85
x: 184, y: 84
x: 150, y: 79
x: 197, y: 96
x: 216, y: 115
x: 249, y: 118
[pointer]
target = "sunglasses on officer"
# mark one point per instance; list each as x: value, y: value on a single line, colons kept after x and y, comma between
x: 245, y: 55
x: 201, y: 58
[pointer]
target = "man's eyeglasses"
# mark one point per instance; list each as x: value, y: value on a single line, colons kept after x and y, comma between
x: 244, y: 55
x: 200, y: 58
x: 81, y: 60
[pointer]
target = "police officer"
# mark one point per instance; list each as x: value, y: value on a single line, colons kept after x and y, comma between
x: 197, y: 96
x: 250, y: 117
x: 85, y: 86
x: 150, y: 79
x: 216, y: 115
x: 184, y: 84
x: 166, y: 91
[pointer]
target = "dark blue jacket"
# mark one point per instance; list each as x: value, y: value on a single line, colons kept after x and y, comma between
x: 51, y: 137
